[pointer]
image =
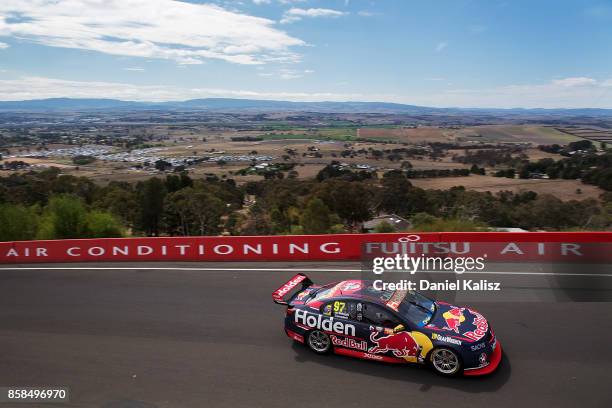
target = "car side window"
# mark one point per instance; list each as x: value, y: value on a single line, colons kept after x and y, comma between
x: 343, y: 309
x: 378, y: 316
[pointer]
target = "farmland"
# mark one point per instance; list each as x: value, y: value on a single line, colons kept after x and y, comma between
x: 564, y: 189
x: 534, y: 135
x: 131, y: 147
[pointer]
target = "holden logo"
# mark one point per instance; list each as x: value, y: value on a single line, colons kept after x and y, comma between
x: 482, y: 358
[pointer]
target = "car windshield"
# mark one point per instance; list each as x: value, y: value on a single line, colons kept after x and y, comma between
x: 417, y: 308
x: 322, y: 293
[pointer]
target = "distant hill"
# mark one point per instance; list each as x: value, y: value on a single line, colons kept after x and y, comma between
x: 67, y: 104
x: 254, y: 105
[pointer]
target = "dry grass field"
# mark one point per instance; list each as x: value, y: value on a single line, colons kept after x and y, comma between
x: 536, y: 135
x: 407, y: 135
x: 564, y: 189
x: 593, y: 133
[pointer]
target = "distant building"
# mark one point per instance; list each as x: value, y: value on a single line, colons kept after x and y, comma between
x: 398, y: 223
x: 538, y: 176
x: 510, y: 229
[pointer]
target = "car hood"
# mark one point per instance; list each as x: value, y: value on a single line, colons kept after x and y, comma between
x: 460, y: 322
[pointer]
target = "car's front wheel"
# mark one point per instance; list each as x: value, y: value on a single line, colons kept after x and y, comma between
x: 319, y: 342
x: 445, y: 361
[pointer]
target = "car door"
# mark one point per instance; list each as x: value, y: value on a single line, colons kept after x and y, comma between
x: 349, y: 312
x: 389, y: 337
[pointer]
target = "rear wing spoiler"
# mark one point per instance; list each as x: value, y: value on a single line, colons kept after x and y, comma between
x: 285, y: 293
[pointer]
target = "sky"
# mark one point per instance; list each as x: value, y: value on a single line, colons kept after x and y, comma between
x: 443, y: 53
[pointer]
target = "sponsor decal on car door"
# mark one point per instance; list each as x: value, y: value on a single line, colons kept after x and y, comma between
x: 410, y: 346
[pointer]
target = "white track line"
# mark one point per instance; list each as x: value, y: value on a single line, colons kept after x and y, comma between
x: 153, y: 268
x: 90, y: 268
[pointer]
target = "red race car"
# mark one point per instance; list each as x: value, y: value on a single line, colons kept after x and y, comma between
x: 355, y: 319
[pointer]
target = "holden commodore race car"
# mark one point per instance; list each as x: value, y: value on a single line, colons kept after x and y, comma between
x: 353, y: 318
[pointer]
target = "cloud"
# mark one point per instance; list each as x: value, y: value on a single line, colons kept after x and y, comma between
x: 441, y: 46
x: 167, y: 29
x: 573, y: 92
x: 296, y: 14
x: 258, y: 2
x: 40, y: 87
x: 365, y: 13
x: 3, y: 46
x: 133, y: 69
x: 575, y: 81
x: 286, y: 73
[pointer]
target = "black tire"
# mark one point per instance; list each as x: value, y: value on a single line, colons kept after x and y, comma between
x: 319, y: 342
x: 445, y: 361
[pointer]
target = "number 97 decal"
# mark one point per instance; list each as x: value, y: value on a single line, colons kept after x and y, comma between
x: 339, y: 307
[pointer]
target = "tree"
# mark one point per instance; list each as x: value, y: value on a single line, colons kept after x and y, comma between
x: 316, y: 218
x: 151, y: 195
x: 384, y: 227
x: 395, y: 187
x: 103, y: 225
x: 206, y: 211
x: 332, y: 170
x: 162, y: 165
x: 120, y: 200
x: 352, y: 201
x: 581, y: 145
x: 427, y: 223
x: 257, y: 223
x: 477, y: 170
x: 77, y: 186
x: 17, y: 222
x: 193, y: 211
x: 176, y: 214
x: 83, y: 160
x: 64, y: 217
x: 173, y: 183
x: 546, y: 211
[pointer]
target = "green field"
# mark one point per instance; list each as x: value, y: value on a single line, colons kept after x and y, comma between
x: 328, y: 133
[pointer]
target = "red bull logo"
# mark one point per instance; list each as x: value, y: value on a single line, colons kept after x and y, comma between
x: 454, y: 317
x: 401, y: 344
x: 482, y: 327
x: 349, y: 343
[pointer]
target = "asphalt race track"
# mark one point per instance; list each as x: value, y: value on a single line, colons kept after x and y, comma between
x: 138, y: 338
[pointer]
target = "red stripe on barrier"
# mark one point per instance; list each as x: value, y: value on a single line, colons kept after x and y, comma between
x: 531, y: 246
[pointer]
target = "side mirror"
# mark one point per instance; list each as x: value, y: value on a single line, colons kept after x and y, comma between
x: 399, y: 328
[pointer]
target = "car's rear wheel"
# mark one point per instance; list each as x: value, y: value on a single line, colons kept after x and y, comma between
x: 445, y: 361
x: 319, y: 342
